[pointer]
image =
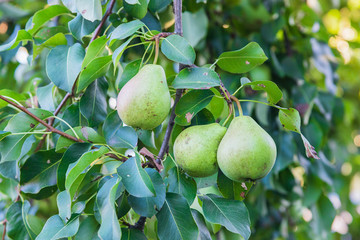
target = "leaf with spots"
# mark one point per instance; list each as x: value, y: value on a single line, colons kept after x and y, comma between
x: 243, y: 60
x: 274, y: 93
x: 196, y: 78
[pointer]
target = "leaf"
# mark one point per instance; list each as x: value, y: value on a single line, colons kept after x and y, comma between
x: 178, y: 49
x: 196, y: 78
x: 156, y: 5
x: 231, y: 189
x: 149, y: 206
x: 81, y: 165
x: 3, y: 134
x: 90, y: 9
x: 105, y: 200
x: 192, y: 103
x: 290, y: 119
x: 88, y: 229
x: 182, y: 184
x: 55, y: 228
x: 21, y: 35
x: 125, y: 30
x: 232, y: 214
x: 80, y: 27
x: 119, y: 51
x: 73, y: 117
x: 17, y: 221
x: 10, y: 147
x: 136, y: 181
x: 38, y: 174
x: 310, y: 150
x: 204, y: 233
x: 85, y: 133
x: 56, y: 40
x: 130, y: 70
x: 274, y: 94
x: 93, y: 104
x: 112, y: 122
x: 44, y: 15
x: 194, y: 33
x: 45, y: 97
x: 63, y: 64
x: 175, y: 220
x: 94, y: 50
x: 72, y: 154
x: 12, y: 94
x: 132, y: 2
x: 64, y: 205
x: 132, y: 234
x: 243, y: 60
x: 95, y: 69
x: 123, y: 137
x: 138, y: 10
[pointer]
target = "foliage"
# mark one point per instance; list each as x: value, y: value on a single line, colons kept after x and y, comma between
x: 70, y: 168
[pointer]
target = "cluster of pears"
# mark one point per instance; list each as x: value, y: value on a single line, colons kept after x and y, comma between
x: 243, y: 151
x: 144, y: 101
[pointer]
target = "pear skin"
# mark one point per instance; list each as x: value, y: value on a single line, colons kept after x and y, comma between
x: 144, y: 101
x: 195, y: 149
x: 246, y: 151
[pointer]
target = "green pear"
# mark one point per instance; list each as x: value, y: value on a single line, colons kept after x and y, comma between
x: 144, y: 101
x: 246, y: 151
x: 195, y: 149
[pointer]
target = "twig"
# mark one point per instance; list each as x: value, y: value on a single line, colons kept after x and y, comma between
x: 103, y: 20
x: 4, y: 232
x: 238, y: 104
x: 51, y: 128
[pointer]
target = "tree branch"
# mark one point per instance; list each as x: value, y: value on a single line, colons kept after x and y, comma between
x: 51, y: 128
x: 103, y: 20
x: 4, y: 231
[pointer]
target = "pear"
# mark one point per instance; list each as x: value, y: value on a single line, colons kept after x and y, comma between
x: 195, y: 149
x: 246, y: 151
x: 144, y: 101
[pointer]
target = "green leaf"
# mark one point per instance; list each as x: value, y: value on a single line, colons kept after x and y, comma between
x: 231, y: 189
x: 55, y: 228
x: 10, y: 147
x: 64, y: 205
x: 45, y: 97
x: 80, y: 27
x: 123, y: 137
x: 182, y: 184
x: 243, y: 60
x: 105, y: 200
x: 290, y: 119
x: 78, y: 167
x: 73, y: 117
x: 119, y: 51
x: 130, y: 70
x: 175, y: 220
x: 232, y: 214
x: 196, y: 78
x: 90, y: 9
x: 21, y: 35
x: 3, y: 134
x: 44, y: 15
x: 138, y: 10
x: 178, y: 49
x: 12, y: 94
x: 63, y: 64
x: 17, y: 221
x: 147, y: 137
x: 136, y: 181
x: 38, y: 174
x: 194, y: 33
x: 274, y: 93
x: 94, y: 50
x: 132, y: 234
x: 156, y: 5
x: 125, y: 30
x: 190, y: 104
x: 56, y: 40
x: 85, y: 133
x: 112, y: 122
x: 204, y: 233
x: 93, y: 104
x: 95, y: 69
x: 149, y: 206
x: 72, y: 154
x: 88, y: 229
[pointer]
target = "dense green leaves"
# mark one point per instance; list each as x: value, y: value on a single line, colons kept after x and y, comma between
x: 232, y: 214
x: 55, y: 228
x: 84, y: 133
x: 196, y: 78
x: 182, y: 184
x: 175, y: 220
x: 126, y: 29
x: 63, y: 64
x: 178, y: 49
x: 80, y: 27
x: 135, y: 179
x: 242, y: 60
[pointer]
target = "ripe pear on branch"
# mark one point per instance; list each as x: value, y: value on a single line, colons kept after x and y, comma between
x: 247, y: 151
x: 195, y: 149
x: 144, y: 101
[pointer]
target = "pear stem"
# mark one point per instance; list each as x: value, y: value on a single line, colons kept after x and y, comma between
x: 238, y: 104
x: 156, y: 50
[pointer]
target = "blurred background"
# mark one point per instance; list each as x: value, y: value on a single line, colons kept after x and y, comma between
x: 313, y: 48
